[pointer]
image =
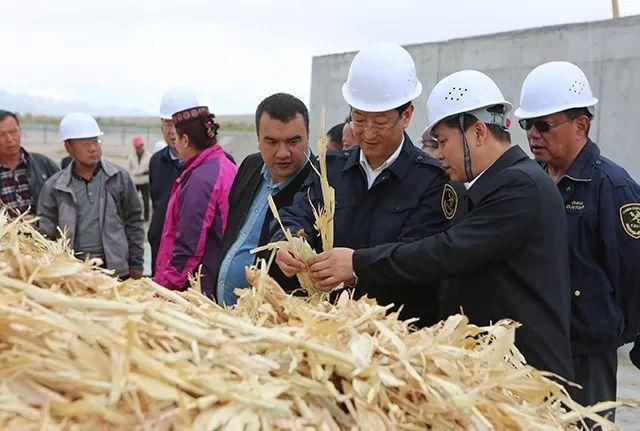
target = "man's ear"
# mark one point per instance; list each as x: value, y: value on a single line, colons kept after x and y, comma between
x: 406, y: 116
x: 481, y: 131
x: 184, y: 136
x: 582, y: 126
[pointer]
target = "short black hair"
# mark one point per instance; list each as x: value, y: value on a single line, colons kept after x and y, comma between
x: 578, y: 112
x: 5, y: 114
x: 282, y: 107
x: 335, y: 134
x: 501, y: 134
x: 403, y: 108
x: 574, y: 113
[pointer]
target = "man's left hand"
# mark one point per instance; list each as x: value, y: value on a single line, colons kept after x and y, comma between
x: 330, y: 268
x: 136, y: 274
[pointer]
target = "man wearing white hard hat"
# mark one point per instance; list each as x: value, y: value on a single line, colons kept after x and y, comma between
x: 165, y: 165
x: 602, y: 204
x: 95, y: 200
x: 386, y: 189
x: 509, y: 251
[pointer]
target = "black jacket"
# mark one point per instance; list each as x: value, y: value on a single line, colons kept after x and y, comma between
x: 162, y: 173
x: 244, y: 187
x: 511, y: 253
x: 405, y: 203
x: 65, y: 161
x: 41, y: 168
x: 602, y: 203
x: 634, y: 354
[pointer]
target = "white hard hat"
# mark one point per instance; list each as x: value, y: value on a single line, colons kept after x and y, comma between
x: 177, y: 99
x: 466, y: 91
x: 554, y: 87
x: 381, y: 77
x: 79, y: 126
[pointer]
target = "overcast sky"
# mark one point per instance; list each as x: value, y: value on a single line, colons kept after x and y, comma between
x: 231, y: 53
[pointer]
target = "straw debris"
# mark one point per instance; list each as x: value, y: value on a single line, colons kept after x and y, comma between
x: 82, y: 351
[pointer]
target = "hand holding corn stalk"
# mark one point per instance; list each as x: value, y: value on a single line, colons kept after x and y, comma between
x: 323, y: 215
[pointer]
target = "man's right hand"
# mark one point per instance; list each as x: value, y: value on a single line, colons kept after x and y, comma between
x: 287, y: 262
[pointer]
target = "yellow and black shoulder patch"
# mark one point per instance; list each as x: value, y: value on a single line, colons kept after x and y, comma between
x: 630, y: 219
x: 449, y: 202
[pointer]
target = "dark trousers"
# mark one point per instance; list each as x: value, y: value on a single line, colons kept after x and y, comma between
x: 634, y: 354
x: 154, y: 253
x: 597, y: 374
x: 144, y: 190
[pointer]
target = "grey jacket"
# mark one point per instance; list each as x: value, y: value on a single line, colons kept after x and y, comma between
x: 120, y: 216
x: 41, y: 168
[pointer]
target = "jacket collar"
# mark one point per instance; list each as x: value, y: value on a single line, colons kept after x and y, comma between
x: 166, y: 154
x: 209, y: 153
x: 583, y: 166
x: 65, y: 175
x: 400, y: 167
x: 483, y: 185
x: 25, y: 157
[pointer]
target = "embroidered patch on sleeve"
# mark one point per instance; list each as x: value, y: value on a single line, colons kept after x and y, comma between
x: 630, y: 219
x: 449, y: 202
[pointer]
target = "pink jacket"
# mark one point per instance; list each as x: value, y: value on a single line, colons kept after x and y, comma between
x: 196, y: 219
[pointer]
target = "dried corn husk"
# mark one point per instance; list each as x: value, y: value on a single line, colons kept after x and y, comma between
x: 301, y: 250
x: 323, y: 223
x: 81, y: 351
x: 324, y: 215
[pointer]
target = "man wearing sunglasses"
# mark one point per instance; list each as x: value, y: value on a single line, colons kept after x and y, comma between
x: 386, y: 189
x: 602, y: 204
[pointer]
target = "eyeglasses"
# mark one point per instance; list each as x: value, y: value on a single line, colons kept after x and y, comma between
x: 543, y: 126
x: 429, y: 143
x: 381, y: 129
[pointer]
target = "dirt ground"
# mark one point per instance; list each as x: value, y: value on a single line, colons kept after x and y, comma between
x: 628, y: 387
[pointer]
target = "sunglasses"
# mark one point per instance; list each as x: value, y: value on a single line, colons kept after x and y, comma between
x: 429, y: 142
x: 543, y: 126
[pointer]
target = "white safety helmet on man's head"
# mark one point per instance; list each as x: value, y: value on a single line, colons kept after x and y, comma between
x: 466, y: 91
x: 554, y: 87
x: 79, y: 126
x: 381, y: 77
x: 176, y: 99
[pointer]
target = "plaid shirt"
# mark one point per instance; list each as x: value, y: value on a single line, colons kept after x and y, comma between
x: 15, y: 192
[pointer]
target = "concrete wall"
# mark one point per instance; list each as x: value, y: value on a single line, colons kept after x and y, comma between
x: 607, y: 51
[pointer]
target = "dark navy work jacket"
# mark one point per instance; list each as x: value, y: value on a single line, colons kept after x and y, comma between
x: 510, y: 254
x: 407, y: 201
x: 602, y: 204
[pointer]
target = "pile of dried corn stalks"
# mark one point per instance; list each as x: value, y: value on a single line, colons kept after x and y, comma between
x: 79, y: 350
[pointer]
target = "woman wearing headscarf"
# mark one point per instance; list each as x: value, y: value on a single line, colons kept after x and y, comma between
x: 198, y: 206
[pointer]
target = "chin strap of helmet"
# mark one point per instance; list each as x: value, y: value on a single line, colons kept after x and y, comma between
x: 465, y: 148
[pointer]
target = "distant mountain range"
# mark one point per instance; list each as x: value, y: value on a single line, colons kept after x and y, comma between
x: 40, y: 105
x: 52, y: 107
